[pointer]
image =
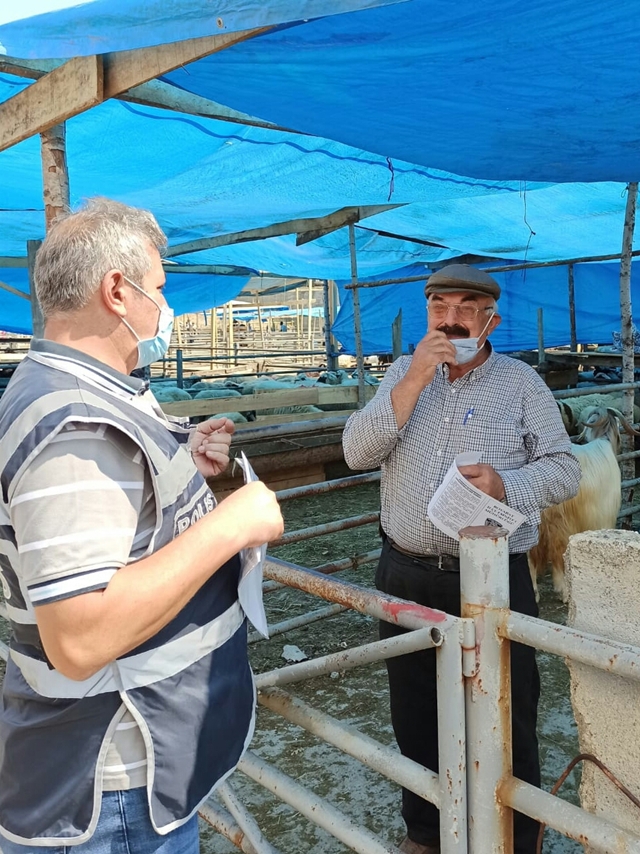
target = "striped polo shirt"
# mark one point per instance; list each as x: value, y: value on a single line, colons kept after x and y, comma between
x: 95, y: 477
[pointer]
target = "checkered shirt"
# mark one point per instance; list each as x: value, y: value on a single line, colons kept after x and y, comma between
x: 515, y: 426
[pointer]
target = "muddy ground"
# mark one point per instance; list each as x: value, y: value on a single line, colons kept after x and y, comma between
x: 359, y: 697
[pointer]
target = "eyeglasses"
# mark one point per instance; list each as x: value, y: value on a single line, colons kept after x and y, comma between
x: 464, y: 311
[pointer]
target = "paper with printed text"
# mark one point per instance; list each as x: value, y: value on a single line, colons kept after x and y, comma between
x: 457, y: 504
x: 252, y: 562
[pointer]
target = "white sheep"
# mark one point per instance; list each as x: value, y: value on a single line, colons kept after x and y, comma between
x: 597, y: 503
x: 571, y: 408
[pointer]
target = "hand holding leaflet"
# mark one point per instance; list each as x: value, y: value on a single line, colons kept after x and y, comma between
x: 457, y: 503
x: 252, y: 561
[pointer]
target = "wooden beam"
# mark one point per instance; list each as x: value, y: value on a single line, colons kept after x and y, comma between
x: 12, y: 261
x: 5, y: 287
x: 70, y: 89
x: 127, y: 68
x: 84, y: 81
x: 325, y: 395
x: 332, y: 221
x: 211, y: 269
x: 157, y: 93
x: 154, y: 93
x: 30, y: 69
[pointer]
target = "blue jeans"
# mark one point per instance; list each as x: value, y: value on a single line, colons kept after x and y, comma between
x: 123, y: 828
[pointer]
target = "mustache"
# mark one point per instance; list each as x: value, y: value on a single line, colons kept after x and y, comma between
x: 458, y: 331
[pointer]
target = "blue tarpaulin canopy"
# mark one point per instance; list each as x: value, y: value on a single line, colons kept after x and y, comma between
x: 545, y: 90
x: 523, y: 292
x: 65, y: 28
x: 419, y: 84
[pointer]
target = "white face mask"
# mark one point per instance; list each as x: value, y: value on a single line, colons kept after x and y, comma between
x: 153, y: 349
x: 467, y: 348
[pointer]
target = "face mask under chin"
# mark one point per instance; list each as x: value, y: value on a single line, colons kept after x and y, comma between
x: 153, y: 349
x: 467, y: 348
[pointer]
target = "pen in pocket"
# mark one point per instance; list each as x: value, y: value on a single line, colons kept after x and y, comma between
x: 467, y: 417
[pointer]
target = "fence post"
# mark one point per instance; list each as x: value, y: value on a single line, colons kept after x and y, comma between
x: 484, y: 583
x: 451, y: 742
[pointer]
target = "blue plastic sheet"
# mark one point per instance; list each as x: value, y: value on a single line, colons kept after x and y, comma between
x: 64, y: 28
x: 186, y: 293
x: 596, y: 288
x: 544, y: 90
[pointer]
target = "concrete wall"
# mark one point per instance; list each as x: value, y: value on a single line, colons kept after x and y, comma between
x: 603, y: 573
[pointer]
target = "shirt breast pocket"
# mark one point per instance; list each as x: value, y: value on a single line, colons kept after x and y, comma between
x: 500, y: 442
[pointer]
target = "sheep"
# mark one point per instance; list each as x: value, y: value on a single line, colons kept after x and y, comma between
x: 170, y: 394
x: 597, y: 503
x: 571, y: 408
x: 236, y: 417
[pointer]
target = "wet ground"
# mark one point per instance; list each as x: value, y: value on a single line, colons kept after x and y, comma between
x: 359, y: 697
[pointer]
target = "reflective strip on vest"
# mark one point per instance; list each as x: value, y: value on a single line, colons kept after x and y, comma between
x: 135, y: 671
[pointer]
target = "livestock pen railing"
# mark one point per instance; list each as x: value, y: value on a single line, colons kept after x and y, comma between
x: 476, y: 648
x: 475, y: 790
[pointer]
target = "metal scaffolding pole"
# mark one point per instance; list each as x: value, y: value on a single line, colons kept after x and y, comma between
x: 357, y: 317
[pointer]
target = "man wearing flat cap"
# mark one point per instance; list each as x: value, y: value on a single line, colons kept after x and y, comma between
x: 456, y: 394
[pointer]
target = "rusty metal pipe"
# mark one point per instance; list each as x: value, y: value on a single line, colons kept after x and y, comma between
x: 409, y: 615
x: 329, y: 568
x: 297, y: 622
x: 628, y: 511
x: 603, y: 389
x: 613, y: 656
x: 245, y: 820
x: 484, y: 585
x: 347, y: 659
x: 348, y: 739
x: 452, y: 740
x: 327, y: 486
x: 222, y: 821
x: 313, y: 807
x: 326, y: 528
x: 566, y: 818
x: 273, y: 431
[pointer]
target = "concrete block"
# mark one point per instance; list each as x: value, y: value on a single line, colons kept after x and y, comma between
x: 603, y: 574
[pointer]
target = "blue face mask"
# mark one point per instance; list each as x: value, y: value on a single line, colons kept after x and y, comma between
x: 153, y: 349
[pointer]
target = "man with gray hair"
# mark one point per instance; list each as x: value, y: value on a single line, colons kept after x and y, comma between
x: 457, y: 394
x: 128, y: 695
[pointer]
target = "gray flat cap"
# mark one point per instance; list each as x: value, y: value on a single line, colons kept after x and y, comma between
x: 462, y: 277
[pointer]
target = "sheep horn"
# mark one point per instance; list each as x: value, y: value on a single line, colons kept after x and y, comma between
x: 631, y: 431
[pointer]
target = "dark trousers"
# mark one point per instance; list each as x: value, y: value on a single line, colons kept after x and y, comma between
x: 413, y: 695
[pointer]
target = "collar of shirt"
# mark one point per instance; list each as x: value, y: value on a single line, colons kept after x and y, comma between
x: 68, y: 358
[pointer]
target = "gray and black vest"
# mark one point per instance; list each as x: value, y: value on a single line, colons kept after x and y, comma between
x: 189, y: 687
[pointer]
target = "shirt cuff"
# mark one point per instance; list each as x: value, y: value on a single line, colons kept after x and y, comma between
x: 517, y: 489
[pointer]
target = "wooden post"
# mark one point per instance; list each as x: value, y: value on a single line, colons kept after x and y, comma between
x: 541, y: 356
x: 298, y: 323
x: 309, y: 323
x: 55, y: 176
x: 264, y: 348
x: 357, y: 317
x: 572, y: 310
x: 231, y: 347
x: 396, y: 336
x: 332, y: 362
x: 37, y: 320
x: 214, y: 331
x: 626, y: 328
x: 55, y: 191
